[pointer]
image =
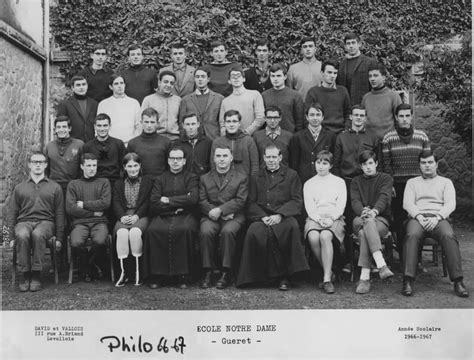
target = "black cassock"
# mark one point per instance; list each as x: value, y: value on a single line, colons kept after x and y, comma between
x: 168, y: 248
x: 273, y: 251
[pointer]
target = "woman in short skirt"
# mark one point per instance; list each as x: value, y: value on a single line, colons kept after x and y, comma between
x: 130, y: 204
x: 324, y: 199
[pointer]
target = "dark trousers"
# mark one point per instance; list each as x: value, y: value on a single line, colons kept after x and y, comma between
x: 32, y: 235
x: 399, y: 214
x: 443, y: 233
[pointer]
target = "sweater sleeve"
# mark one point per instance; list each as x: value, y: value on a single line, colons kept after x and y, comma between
x: 386, y: 158
x: 449, y: 198
x: 384, y: 194
x: 356, y: 198
x: 409, y: 199
x: 347, y: 109
x: 259, y: 112
x: 298, y: 112
x: 103, y: 202
x: 309, y: 202
x: 340, y: 200
x: 71, y: 203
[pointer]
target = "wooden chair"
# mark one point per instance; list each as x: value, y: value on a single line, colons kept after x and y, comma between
x: 432, y: 246
x: 387, y: 249
x: 88, y: 244
x: 50, y: 251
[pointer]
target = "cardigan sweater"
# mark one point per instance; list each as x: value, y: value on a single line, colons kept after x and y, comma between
x: 374, y: 192
x: 252, y: 81
x: 124, y: 115
x: 291, y: 104
x: 140, y: 81
x: 325, y: 196
x: 400, y: 159
x: 119, y: 202
x: 96, y: 195
x: 380, y: 106
x: 249, y: 103
x: 168, y: 110
x: 152, y: 149
x: 303, y: 76
x: 336, y: 105
x: 429, y: 196
x: 349, y: 144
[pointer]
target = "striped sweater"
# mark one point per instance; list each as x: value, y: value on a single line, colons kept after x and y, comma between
x: 401, y: 159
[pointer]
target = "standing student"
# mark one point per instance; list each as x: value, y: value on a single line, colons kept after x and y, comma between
x: 184, y: 84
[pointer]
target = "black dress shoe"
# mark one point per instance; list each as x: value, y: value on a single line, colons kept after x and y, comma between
x: 284, y: 285
x: 223, y: 282
x: 182, y: 282
x: 153, y: 285
x: 460, y: 290
x: 407, y: 290
x: 206, y: 281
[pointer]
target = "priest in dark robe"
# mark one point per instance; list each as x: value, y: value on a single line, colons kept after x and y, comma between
x: 272, y: 247
x: 169, y: 238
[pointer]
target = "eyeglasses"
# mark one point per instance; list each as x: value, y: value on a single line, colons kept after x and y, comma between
x: 273, y: 117
x: 236, y: 76
x: 232, y: 121
x: 175, y: 158
x: 37, y: 162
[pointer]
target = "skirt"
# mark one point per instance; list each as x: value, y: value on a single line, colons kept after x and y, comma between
x: 337, y: 228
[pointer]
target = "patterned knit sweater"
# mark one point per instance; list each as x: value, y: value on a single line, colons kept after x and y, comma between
x: 400, y: 159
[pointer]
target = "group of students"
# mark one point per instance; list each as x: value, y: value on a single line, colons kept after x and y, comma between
x: 179, y: 172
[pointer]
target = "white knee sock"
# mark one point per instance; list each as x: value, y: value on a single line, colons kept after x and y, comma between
x: 379, y: 260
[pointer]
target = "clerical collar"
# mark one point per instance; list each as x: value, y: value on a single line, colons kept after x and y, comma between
x: 274, y: 171
x: 199, y: 92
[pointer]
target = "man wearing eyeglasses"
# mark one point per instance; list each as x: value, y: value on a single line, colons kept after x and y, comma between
x: 249, y: 103
x: 36, y: 214
x: 169, y: 240
x: 97, y: 75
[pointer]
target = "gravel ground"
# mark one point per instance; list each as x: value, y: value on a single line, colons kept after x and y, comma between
x: 431, y: 290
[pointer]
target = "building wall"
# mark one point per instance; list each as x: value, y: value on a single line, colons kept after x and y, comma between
x: 21, y: 98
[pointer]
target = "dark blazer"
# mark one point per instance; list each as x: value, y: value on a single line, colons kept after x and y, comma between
x: 119, y: 203
x: 230, y: 197
x: 282, y: 196
x: 303, y: 151
x: 82, y: 126
x: 360, y: 80
x: 252, y: 81
x: 209, y: 118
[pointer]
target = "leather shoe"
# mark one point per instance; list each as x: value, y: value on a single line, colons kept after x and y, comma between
x: 460, y: 290
x: 385, y: 273
x: 35, y: 285
x: 407, y: 289
x: 182, y: 283
x: 223, y: 282
x: 328, y: 287
x: 284, y: 285
x: 153, y: 285
x: 206, y: 281
x: 25, y: 285
x: 363, y: 287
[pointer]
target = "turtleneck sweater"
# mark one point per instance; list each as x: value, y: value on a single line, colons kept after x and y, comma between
x: 380, y: 105
x: 152, y: 149
x: 140, y: 81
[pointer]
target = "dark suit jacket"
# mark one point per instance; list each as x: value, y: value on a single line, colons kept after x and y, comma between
x: 282, y: 196
x: 230, y: 197
x: 209, y: 118
x: 360, y: 80
x: 303, y: 151
x: 119, y: 203
x: 82, y: 126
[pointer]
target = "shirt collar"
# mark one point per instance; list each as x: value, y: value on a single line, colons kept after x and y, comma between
x: 205, y: 92
x: 181, y: 68
x: 315, y: 132
x: 277, y: 131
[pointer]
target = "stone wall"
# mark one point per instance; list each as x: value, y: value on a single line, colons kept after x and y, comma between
x: 454, y: 162
x: 21, y: 97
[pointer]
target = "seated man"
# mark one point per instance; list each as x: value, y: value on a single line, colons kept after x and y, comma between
x: 36, y: 214
x: 429, y: 199
x: 222, y: 195
x: 272, y: 247
x: 173, y: 228
x: 87, y: 199
x: 371, y: 194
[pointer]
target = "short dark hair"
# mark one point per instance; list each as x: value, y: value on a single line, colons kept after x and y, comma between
x: 102, y: 116
x: 164, y: 73
x: 115, y: 76
x: 330, y: 62
x: 325, y: 155
x: 272, y: 108
x: 177, y: 45
x: 316, y: 106
x: 307, y: 39
x: 37, y: 152
x: 403, y: 106
x: 222, y: 146
x: 87, y: 156
x: 205, y: 69
x: 216, y: 43
x: 277, y: 67
x: 351, y: 36
x: 134, y: 47
x: 427, y: 154
x: 98, y: 47
x: 366, y: 155
x: 190, y: 115
x: 175, y: 148
x: 379, y: 67
x: 230, y: 113
x: 62, y: 118
x: 236, y: 68
x: 270, y: 147
x: 77, y: 78
x: 358, y: 107
x: 150, y: 112
x: 262, y: 42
